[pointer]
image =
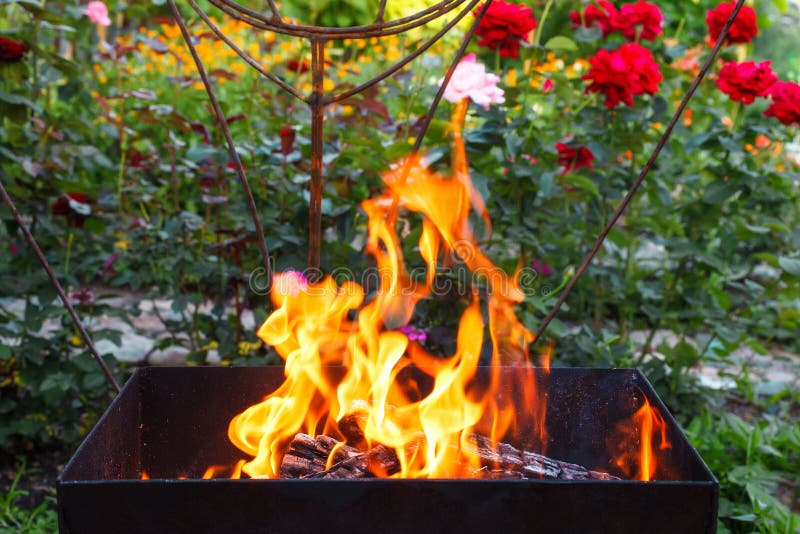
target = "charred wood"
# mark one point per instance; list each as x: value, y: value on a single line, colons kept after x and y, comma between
x: 325, y: 457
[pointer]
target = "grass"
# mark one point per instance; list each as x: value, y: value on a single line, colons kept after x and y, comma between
x: 14, y: 519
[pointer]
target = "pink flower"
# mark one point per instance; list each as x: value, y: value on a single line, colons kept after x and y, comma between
x: 98, y: 13
x: 548, y: 85
x: 289, y: 283
x: 470, y: 80
x: 414, y: 334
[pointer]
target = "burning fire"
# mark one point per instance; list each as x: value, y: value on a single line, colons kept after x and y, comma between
x: 323, y: 324
x: 638, y: 441
x: 346, y: 353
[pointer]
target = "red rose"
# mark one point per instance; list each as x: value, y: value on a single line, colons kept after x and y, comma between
x: 74, y: 206
x: 573, y: 159
x: 622, y: 74
x: 604, y: 17
x: 641, y: 20
x: 785, y: 103
x: 504, y: 26
x: 743, y: 82
x: 742, y: 30
x: 297, y: 66
x: 287, y: 140
x: 12, y: 51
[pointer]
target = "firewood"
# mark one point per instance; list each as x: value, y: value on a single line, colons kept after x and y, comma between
x: 507, y: 459
x: 308, y: 458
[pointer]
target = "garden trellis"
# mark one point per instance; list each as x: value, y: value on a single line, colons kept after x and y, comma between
x: 317, y: 100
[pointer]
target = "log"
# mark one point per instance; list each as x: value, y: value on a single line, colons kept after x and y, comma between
x: 506, y: 461
x: 307, y: 457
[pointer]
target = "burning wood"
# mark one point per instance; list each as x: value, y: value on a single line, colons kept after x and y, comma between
x: 325, y: 457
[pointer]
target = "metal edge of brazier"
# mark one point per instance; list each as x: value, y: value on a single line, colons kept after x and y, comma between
x: 172, y: 421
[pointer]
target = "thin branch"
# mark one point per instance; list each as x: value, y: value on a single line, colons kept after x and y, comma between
x: 59, y: 290
x: 234, y: 155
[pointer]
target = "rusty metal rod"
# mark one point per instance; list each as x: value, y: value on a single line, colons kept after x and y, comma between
x: 376, y: 29
x: 426, y: 121
x: 421, y: 49
x: 317, y: 106
x: 234, y: 155
x: 381, y: 11
x: 59, y: 289
x: 642, y: 175
x: 244, y: 55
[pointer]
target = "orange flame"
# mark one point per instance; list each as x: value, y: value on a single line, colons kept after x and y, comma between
x: 323, y: 324
x: 638, y: 441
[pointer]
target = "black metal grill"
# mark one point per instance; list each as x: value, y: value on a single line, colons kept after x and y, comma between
x: 172, y: 422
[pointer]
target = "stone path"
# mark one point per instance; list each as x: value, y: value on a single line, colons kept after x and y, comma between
x: 773, y: 372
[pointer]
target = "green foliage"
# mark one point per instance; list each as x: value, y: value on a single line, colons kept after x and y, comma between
x: 757, y: 462
x: 13, y: 519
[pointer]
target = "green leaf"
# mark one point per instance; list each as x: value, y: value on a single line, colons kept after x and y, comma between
x: 581, y: 182
x: 559, y: 43
x: 790, y: 265
x: 5, y: 352
x: 718, y: 192
x: 12, y: 98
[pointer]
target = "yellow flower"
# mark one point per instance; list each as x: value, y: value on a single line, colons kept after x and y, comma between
x: 245, y: 347
x: 210, y: 345
x: 511, y: 78
x: 122, y: 244
x: 76, y: 340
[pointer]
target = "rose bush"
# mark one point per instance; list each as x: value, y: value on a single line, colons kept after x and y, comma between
x: 706, y: 251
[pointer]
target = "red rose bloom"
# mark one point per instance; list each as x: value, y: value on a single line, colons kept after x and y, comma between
x: 743, y: 82
x: 297, y: 66
x: 640, y: 20
x: 742, y: 30
x: 604, y: 17
x: 622, y: 74
x: 785, y: 103
x: 12, y: 51
x: 504, y: 26
x: 573, y: 159
x: 74, y: 206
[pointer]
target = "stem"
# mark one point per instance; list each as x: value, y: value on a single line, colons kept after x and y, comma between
x: 678, y: 32
x: 538, y: 35
x: 69, y: 251
x: 121, y: 173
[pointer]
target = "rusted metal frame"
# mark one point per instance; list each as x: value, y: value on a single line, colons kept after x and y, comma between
x: 642, y: 175
x: 408, y: 59
x: 57, y: 285
x: 317, y: 106
x: 274, y: 9
x: 244, y: 55
x: 421, y: 18
x: 426, y: 121
x: 380, y: 13
x: 438, y: 9
x: 234, y: 155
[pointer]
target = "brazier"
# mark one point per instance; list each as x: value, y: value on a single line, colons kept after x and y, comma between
x: 172, y: 422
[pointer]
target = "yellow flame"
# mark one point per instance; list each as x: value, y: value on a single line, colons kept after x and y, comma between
x: 318, y: 325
